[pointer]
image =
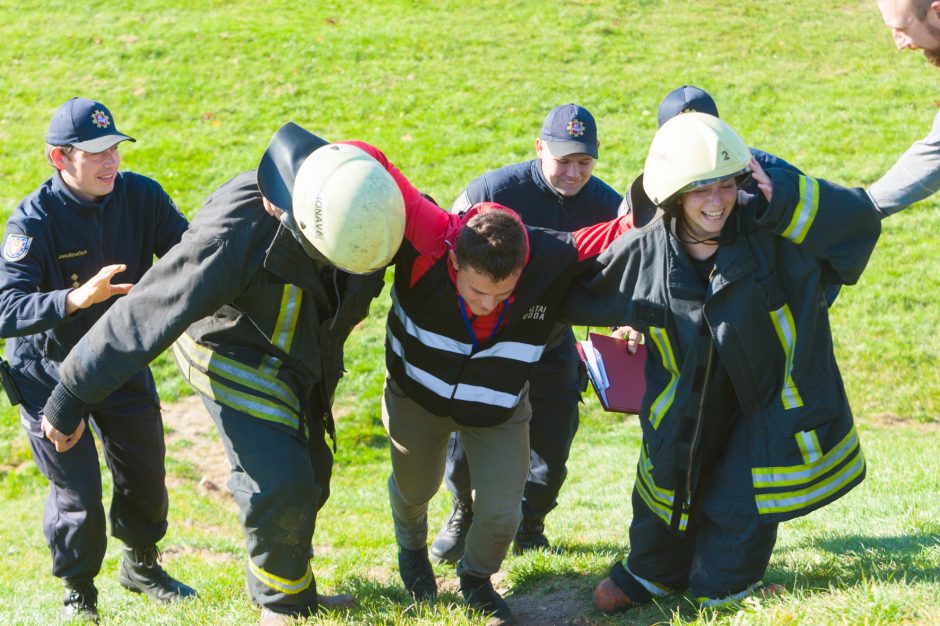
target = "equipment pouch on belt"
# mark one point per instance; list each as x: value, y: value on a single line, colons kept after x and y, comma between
x: 13, y: 394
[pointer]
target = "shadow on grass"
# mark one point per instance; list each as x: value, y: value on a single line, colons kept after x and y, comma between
x: 906, y: 557
x: 561, y: 599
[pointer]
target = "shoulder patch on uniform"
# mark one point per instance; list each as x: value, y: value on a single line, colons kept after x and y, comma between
x: 16, y: 247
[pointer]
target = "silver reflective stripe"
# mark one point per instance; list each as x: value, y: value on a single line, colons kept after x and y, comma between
x: 428, y: 338
x: 426, y: 380
x: 234, y: 398
x: 655, y: 589
x: 801, y: 474
x: 235, y: 371
x: 517, y: 351
x: 485, y: 395
x: 710, y: 602
x: 805, y: 213
x: 792, y: 500
x: 809, y: 445
x: 284, y: 585
x: 284, y: 327
x: 785, y: 327
x: 466, y: 393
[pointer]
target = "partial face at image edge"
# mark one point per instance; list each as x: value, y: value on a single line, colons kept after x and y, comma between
x: 909, y: 31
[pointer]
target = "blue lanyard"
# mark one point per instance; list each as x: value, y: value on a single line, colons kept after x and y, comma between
x: 469, y: 326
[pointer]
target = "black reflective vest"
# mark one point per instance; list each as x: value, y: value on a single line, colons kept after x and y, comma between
x: 430, y: 353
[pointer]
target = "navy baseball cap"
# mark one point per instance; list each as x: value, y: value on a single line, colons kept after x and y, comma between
x: 569, y: 129
x: 85, y: 124
x: 684, y: 99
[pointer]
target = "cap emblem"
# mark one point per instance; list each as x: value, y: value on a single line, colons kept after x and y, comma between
x: 575, y: 128
x: 100, y: 119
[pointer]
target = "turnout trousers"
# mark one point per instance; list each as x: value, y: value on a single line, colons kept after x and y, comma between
x: 725, y: 551
x: 131, y: 436
x: 554, y: 393
x: 280, y: 480
x: 499, y: 461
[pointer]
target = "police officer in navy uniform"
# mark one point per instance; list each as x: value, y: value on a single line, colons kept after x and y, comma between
x: 556, y: 190
x: 65, y: 243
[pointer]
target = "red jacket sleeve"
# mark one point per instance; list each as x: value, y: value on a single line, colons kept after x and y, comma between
x: 427, y: 226
x: 593, y: 240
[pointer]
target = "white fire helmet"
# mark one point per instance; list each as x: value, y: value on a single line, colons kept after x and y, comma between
x: 349, y: 208
x: 692, y: 150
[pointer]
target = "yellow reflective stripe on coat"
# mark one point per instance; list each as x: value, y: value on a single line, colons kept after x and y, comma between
x: 663, y: 401
x: 660, y: 501
x: 253, y: 405
x: 808, y: 442
x: 805, y: 213
x: 285, y: 327
x: 284, y: 585
x: 847, y: 453
x: 237, y: 372
x: 783, y: 323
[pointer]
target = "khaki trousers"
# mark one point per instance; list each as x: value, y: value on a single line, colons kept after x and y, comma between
x: 499, y: 464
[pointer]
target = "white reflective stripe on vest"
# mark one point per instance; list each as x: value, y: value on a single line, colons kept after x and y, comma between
x: 427, y: 337
x: 514, y: 350
x: 427, y: 380
x: 485, y: 395
x: 463, y: 392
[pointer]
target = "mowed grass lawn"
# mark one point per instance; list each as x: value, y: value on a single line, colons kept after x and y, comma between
x: 449, y: 90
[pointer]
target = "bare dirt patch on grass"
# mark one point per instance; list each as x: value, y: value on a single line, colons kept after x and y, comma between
x: 893, y: 420
x: 188, y: 420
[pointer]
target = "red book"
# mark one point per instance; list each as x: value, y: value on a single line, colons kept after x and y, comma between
x: 616, y: 375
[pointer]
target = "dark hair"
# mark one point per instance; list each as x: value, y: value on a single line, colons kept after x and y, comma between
x: 492, y: 242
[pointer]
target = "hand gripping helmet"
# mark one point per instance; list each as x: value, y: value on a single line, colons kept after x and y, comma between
x: 336, y: 197
x: 692, y: 150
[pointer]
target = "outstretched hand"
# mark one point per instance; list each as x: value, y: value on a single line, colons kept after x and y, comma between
x: 97, y: 289
x: 63, y: 442
x: 762, y: 179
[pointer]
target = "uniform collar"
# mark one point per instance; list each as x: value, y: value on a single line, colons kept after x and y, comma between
x: 542, y: 183
x: 63, y: 192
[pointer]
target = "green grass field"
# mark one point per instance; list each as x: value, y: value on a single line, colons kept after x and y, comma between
x: 448, y: 90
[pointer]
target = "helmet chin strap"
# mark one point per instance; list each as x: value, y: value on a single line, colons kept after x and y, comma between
x: 287, y: 219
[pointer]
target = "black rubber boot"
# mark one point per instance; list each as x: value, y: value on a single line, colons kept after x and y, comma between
x: 448, y: 544
x: 530, y: 536
x: 80, y: 602
x: 480, y: 595
x: 417, y: 573
x: 140, y: 572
